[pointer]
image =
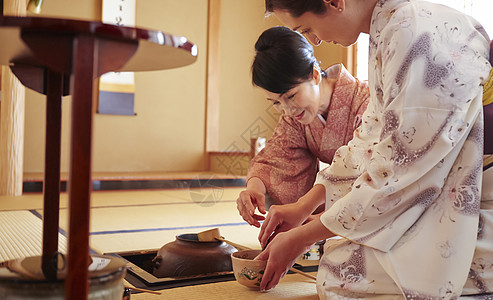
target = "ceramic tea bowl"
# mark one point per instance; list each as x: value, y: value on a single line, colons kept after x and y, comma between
x: 247, y: 271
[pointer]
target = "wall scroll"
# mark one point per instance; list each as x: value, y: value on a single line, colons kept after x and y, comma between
x: 117, y: 89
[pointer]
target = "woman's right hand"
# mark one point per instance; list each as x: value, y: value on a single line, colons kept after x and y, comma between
x: 280, y: 218
x: 287, y: 247
x: 247, y: 202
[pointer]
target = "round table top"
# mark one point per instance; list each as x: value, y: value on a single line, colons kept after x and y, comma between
x: 157, y: 50
x: 28, y: 268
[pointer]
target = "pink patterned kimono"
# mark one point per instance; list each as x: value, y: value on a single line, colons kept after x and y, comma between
x: 288, y: 164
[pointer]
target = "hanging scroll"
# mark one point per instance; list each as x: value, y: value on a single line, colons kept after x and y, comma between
x: 117, y: 89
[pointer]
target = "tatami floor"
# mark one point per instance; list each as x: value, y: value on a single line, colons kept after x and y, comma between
x: 133, y: 220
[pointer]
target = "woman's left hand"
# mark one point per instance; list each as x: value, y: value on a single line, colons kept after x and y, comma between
x: 279, y: 219
x: 281, y: 254
x: 284, y: 217
x: 286, y: 247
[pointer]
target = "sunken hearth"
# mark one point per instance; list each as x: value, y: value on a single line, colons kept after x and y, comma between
x: 140, y: 269
x: 140, y: 273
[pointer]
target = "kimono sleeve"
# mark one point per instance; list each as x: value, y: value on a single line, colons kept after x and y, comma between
x: 361, y: 98
x: 286, y: 166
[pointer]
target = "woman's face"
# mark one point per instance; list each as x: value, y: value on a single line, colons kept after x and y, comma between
x: 302, y: 102
x: 332, y: 26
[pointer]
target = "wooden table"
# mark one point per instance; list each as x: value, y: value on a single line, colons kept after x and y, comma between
x: 58, y: 57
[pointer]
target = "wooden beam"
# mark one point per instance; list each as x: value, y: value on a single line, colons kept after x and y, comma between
x: 349, y: 56
x: 14, y: 7
x: 212, y: 79
x: 12, y: 119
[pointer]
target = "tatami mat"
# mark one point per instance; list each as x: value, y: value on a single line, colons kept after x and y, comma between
x: 21, y: 234
x: 35, y: 176
x: 134, y: 218
x: 153, y: 240
x: 125, y: 221
x: 24, y: 202
x: 292, y: 286
x: 147, y: 219
x: 128, y: 228
x: 125, y: 198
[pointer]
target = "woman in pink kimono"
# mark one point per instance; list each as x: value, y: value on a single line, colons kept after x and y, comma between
x: 407, y: 201
x: 320, y: 110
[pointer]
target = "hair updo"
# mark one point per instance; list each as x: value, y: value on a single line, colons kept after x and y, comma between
x: 296, y: 7
x: 283, y: 59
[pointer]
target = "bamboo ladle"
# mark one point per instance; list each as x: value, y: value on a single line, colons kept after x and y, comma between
x: 130, y: 286
x: 213, y: 235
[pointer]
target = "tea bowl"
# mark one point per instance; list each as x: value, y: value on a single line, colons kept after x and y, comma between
x: 248, y: 271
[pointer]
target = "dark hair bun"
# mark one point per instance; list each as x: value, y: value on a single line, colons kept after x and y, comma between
x: 283, y: 59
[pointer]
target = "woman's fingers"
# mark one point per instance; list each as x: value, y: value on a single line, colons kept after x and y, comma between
x: 259, y: 217
x: 246, y: 201
x: 272, y: 274
x: 274, y: 280
x: 285, y: 250
x: 246, y: 205
x: 261, y: 204
x: 262, y: 230
x: 268, y: 273
x: 268, y: 227
x: 269, y: 280
x: 243, y: 212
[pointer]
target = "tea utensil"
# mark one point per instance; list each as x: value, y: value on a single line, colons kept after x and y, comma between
x: 128, y: 285
x: 213, y: 234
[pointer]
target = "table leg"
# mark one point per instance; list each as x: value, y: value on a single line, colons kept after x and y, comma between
x: 83, y: 86
x: 51, y: 186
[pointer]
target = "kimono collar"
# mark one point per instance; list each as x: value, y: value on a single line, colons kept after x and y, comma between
x: 384, y: 10
x: 343, y: 77
x: 343, y: 80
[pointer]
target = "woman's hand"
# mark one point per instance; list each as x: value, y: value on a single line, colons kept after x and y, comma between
x: 313, y: 217
x: 250, y: 199
x: 285, y: 248
x: 281, y: 254
x: 281, y: 218
x: 285, y: 217
x: 246, y: 204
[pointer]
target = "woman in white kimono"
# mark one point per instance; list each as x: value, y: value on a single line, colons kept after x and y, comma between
x: 404, y: 198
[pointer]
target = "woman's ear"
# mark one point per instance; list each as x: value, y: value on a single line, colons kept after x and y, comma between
x: 317, y: 75
x: 338, y: 5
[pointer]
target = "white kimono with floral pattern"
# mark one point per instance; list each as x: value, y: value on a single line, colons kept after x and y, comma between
x: 405, y: 194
